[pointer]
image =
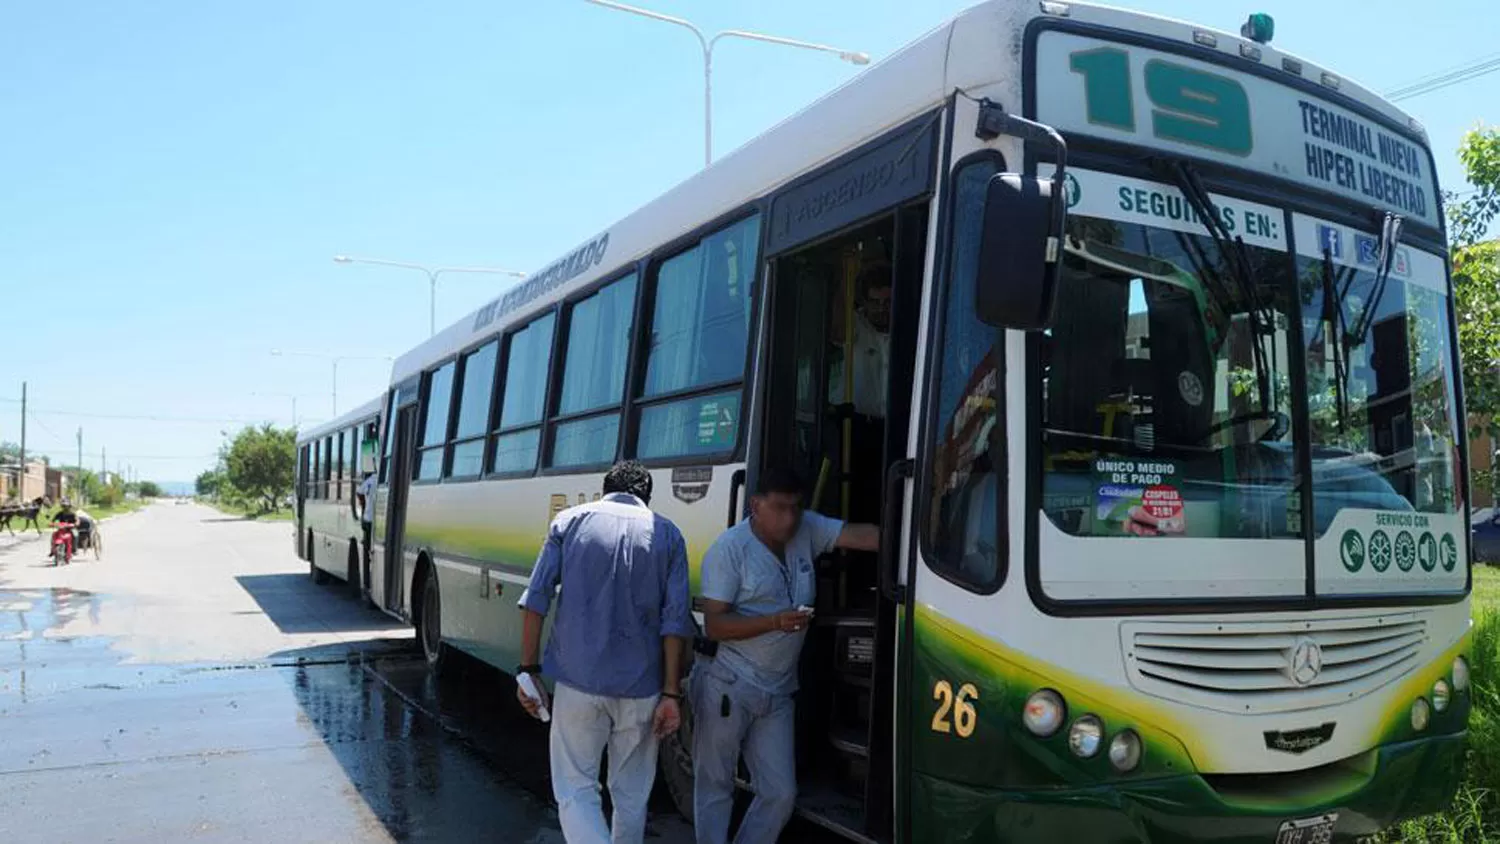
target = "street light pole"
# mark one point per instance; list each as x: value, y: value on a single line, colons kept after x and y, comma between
x: 851, y: 56
x: 292, y: 396
x: 432, y: 274
x: 335, y: 359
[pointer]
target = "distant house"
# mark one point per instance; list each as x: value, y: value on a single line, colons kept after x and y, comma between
x: 35, y: 481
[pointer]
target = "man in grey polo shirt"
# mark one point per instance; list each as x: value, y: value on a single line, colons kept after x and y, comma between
x: 755, y: 577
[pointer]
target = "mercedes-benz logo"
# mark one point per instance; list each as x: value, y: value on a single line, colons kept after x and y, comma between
x: 1304, y: 661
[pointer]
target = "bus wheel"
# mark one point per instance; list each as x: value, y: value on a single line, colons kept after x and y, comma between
x: 351, y: 575
x: 675, y: 760
x: 430, y: 625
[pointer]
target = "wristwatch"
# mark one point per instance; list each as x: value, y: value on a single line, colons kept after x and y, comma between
x: 673, y: 695
x: 528, y: 669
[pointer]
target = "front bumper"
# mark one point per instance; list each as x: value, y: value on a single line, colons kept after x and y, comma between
x: 1408, y: 779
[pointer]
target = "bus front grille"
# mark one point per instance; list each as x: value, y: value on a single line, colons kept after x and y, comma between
x: 1271, y: 666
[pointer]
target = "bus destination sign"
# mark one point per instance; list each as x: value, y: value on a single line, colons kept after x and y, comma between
x: 1136, y: 95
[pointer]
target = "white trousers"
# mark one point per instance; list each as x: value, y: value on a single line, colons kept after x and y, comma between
x: 583, y: 725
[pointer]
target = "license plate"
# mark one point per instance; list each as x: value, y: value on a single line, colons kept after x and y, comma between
x: 1318, y: 830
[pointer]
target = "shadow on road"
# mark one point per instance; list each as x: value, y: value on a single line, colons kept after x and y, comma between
x: 296, y: 605
x: 420, y: 777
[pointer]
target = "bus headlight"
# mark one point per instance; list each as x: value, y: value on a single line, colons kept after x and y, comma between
x: 1125, y: 751
x: 1421, y: 714
x: 1085, y: 736
x: 1044, y: 713
x: 1460, y: 674
x: 1440, y: 695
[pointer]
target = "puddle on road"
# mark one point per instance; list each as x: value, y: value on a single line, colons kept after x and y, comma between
x: 31, y: 613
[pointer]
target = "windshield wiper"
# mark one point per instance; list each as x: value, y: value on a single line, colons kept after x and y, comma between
x: 1238, y: 261
x: 1333, y: 315
x: 1385, y: 261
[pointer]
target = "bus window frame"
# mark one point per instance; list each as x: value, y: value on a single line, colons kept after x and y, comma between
x: 325, y: 472
x: 460, y: 379
x: 931, y: 426
x: 419, y: 434
x: 556, y: 372
x: 640, y: 351
x: 497, y: 396
x: 337, y: 438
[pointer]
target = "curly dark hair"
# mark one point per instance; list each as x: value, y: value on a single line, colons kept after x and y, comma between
x: 629, y: 476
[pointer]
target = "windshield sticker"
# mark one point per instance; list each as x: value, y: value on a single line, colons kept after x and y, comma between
x: 1190, y: 387
x: 1138, y: 498
x: 1111, y: 197
x: 1348, y: 247
x: 1417, y: 548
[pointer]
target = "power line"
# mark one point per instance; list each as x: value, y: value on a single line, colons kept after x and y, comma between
x: 32, y: 413
x: 1442, y: 79
x: 44, y: 426
x: 68, y: 452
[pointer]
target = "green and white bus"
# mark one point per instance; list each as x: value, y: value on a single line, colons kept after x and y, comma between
x: 1167, y: 450
x: 332, y: 459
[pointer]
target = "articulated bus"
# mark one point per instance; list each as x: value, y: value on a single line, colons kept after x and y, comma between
x: 1167, y: 448
x: 332, y: 459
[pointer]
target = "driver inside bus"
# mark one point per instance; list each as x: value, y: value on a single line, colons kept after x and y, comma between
x: 758, y: 592
x: 869, y: 348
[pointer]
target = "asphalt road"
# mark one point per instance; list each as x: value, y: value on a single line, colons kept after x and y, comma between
x: 195, y: 685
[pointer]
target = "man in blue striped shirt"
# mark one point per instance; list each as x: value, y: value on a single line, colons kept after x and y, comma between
x: 615, y: 654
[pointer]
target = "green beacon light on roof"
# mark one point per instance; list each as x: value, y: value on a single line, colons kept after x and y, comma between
x: 1259, y: 28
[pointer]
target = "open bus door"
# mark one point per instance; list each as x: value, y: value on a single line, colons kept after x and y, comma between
x: 850, y: 442
x: 388, y: 533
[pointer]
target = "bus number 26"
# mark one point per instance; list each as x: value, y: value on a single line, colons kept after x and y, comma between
x: 1189, y: 106
x: 961, y: 707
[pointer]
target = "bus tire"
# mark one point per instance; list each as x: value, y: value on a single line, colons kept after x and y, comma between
x: 319, y: 577
x: 351, y: 575
x: 430, y: 622
x: 675, y: 761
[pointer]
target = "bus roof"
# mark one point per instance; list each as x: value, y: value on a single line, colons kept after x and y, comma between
x: 365, y: 411
x: 978, y: 47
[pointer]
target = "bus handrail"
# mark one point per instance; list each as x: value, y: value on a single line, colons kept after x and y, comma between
x: 890, y: 529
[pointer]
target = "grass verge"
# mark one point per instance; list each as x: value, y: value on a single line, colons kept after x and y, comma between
x: 1474, y: 817
x: 120, y: 509
x: 250, y: 513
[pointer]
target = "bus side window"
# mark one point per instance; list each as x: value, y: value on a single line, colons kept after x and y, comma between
x: 962, y: 540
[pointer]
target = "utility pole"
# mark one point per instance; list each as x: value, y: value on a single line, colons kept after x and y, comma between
x: 78, y: 474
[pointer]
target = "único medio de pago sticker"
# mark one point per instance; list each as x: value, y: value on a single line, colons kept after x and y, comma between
x: 1138, y: 498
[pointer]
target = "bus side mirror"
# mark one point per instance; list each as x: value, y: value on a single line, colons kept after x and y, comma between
x: 1019, y: 252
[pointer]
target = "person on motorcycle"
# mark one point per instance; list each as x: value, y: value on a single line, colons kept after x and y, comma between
x: 68, y: 517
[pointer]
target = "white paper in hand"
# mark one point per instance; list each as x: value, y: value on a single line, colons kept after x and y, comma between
x: 528, y: 688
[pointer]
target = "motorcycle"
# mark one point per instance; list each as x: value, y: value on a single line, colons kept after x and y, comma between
x: 62, y: 543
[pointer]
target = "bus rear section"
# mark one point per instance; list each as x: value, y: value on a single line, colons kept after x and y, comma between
x: 332, y: 460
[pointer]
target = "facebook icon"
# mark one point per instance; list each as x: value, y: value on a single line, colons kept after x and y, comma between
x: 1332, y: 240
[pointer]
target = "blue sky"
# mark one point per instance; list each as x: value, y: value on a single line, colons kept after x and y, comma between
x: 178, y: 174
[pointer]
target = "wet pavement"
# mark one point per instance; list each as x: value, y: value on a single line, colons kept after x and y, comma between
x: 195, y: 685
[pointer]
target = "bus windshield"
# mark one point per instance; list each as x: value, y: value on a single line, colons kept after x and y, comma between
x: 1382, y: 410
x: 1167, y: 406
x: 1172, y: 383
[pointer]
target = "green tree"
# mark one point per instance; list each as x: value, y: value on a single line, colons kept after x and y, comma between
x: 148, y: 489
x: 1476, y: 280
x: 261, y: 465
x: 209, y: 483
